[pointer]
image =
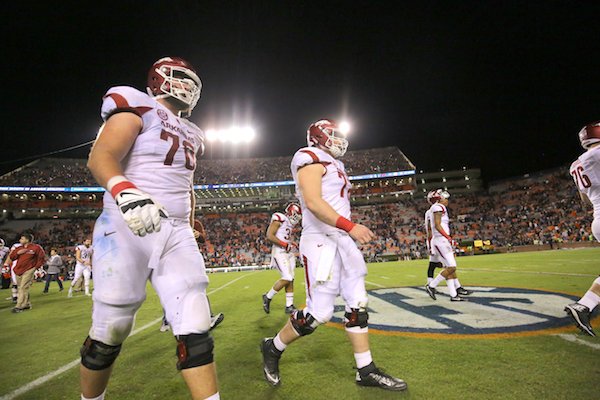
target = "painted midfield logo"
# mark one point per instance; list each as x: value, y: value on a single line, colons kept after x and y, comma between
x: 490, y: 310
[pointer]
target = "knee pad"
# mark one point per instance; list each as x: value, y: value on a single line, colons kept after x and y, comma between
x: 303, y: 323
x: 357, y: 317
x: 97, y: 356
x: 194, y: 350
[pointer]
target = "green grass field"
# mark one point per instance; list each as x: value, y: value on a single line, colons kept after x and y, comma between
x: 41, y: 341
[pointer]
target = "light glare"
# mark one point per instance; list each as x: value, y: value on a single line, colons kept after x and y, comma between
x: 344, y: 127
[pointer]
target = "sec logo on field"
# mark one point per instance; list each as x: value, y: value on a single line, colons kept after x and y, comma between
x: 490, y: 312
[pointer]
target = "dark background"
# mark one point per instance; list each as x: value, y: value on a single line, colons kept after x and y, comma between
x: 501, y: 85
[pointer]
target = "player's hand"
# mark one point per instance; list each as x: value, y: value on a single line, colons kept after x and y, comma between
x: 141, y: 213
x: 196, y: 234
x: 362, y: 234
x: 453, y: 243
x: 291, y: 246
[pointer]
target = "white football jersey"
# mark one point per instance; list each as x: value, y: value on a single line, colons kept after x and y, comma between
x: 586, y: 174
x: 335, y: 188
x: 85, y: 252
x: 445, y: 222
x: 162, y: 160
x: 3, y: 253
x: 284, y: 232
x: 428, y: 218
x: 14, y: 246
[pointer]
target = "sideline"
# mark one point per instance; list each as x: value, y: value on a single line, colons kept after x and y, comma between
x: 43, y: 379
x: 574, y: 339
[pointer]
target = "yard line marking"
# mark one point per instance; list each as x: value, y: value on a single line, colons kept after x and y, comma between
x: 525, y: 272
x: 574, y: 339
x: 43, y: 379
x: 384, y: 277
x: 374, y: 284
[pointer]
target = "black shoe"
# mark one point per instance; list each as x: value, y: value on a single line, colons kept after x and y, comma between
x: 14, y: 300
x: 457, y: 298
x: 216, y: 320
x: 61, y: 289
x: 463, y: 292
x: 581, y: 316
x: 372, y: 376
x: 45, y: 292
x: 290, y: 309
x: 266, y: 303
x: 27, y: 307
x: 430, y: 291
x: 271, y: 358
x: 17, y: 310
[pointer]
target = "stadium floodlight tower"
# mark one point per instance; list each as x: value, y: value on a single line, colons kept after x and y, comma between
x: 234, y: 134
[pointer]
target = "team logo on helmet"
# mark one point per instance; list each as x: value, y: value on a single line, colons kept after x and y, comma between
x: 589, y: 134
x: 175, y: 78
x: 293, y: 212
x: 326, y: 133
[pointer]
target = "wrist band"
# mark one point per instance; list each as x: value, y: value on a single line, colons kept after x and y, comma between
x: 117, y: 184
x: 344, y: 224
x: 283, y: 244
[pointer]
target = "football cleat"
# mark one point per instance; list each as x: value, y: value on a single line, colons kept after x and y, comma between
x: 165, y: 327
x: 266, y: 303
x: 372, y: 376
x: 463, y: 292
x: 17, y: 310
x: 580, y: 314
x: 457, y: 298
x: 290, y: 309
x: 430, y: 291
x: 271, y: 358
x: 216, y: 320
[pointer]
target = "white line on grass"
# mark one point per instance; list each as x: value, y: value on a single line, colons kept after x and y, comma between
x: 516, y: 271
x: 43, y: 379
x: 374, y: 284
x: 575, y: 339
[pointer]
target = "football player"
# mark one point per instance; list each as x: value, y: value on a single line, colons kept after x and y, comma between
x: 5, y: 270
x: 279, y: 233
x: 441, y: 246
x: 333, y: 263
x: 83, y: 267
x: 586, y: 174
x: 145, y: 157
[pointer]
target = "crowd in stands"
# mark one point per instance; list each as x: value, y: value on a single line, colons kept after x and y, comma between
x: 73, y: 172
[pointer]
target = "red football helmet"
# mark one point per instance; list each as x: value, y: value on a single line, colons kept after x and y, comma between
x: 326, y: 133
x: 436, y: 195
x: 293, y: 212
x: 590, y: 134
x: 174, y: 77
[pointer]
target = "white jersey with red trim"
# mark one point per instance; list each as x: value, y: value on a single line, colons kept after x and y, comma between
x: 284, y: 232
x: 445, y: 222
x: 428, y: 219
x: 335, y: 188
x: 3, y: 253
x: 85, y: 253
x: 586, y: 174
x: 162, y: 160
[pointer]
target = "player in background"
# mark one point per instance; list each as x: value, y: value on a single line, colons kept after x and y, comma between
x: 13, y: 277
x: 83, y: 267
x: 586, y: 174
x: 279, y: 233
x: 433, y: 263
x: 215, y: 319
x: 145, y: 156
x: 5, y: 270
x: 441, y: 246
x: 333, y: 264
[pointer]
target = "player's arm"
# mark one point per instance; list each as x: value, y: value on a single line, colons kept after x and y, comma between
x: 437, y: 217
x: 585, y: 199
x: 271, y: 231
x: 8, y: 261
x: 41, y: 257
x: 310, y: 181
x: 113, y: 143
x: 78, y: 256
x: 193, y: 205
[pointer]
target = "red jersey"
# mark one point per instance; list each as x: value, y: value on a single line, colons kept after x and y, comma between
x: 27, y: 256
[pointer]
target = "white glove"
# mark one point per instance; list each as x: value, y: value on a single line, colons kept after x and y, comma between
x: 141, y: 213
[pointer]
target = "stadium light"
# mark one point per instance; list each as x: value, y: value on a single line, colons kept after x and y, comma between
x: 344, y: 127
x: 234, y: 134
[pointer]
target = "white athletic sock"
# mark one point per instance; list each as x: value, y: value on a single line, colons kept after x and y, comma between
x: 452, y: 287
x: 15, y: 292
x: 214, y: 397
x: 437, y: 280
x: 429, y: 280
x: 279, y: 345
x: 289, y: 299
x: 590, y: 300
x: 87, y: 289
x: 457, y: 283
x: 363, y: 359
x: 271, y: 293
x: 101, y: 397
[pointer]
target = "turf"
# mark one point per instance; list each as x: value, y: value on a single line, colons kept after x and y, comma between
x: 37, y: 342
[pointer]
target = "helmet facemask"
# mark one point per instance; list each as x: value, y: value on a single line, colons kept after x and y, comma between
x: 589, y: 135
x: 172, y: 79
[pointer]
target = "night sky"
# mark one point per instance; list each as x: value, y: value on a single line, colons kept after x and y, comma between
x: 500, y: 85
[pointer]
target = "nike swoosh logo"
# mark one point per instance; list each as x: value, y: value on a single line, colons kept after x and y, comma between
x: 109, y: 233
x: 319, y: 245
